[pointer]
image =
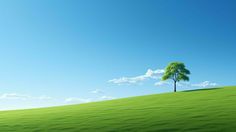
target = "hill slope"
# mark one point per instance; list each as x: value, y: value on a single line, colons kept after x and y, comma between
x: 202, y: 110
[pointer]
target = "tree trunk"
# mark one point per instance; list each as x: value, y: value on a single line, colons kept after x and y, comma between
x: 174, y: 86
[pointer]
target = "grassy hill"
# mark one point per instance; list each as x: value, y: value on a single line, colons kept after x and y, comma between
x: 200, y: 110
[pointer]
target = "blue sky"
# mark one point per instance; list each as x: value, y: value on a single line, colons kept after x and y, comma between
x: 60, y: 52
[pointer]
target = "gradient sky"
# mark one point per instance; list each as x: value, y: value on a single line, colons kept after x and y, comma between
x: 62, y: 51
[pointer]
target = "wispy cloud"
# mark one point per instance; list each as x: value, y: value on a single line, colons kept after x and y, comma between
x: 44, y: 97
x: 203, y: 84
x: 97, y: 91
x: 153, y: 74
x: 77, y: 100
x: 14, y: 96
x: 29, y: 101
x: 107, y: 97
x: 17, y: 96
x: 161, y: 83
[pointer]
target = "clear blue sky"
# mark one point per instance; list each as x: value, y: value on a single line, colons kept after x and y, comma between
x: 65, y: 49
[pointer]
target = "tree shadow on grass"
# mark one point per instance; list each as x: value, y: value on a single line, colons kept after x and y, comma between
x: 205, y: 89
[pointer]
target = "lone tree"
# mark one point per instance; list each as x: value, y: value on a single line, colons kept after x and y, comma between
x: 177, y: 72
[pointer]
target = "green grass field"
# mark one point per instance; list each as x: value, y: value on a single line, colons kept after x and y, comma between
x: 199, y: 110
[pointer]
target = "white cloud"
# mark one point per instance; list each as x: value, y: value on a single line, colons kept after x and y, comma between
x: 205, y: 84
x: 77, y: 100
x: 14, y: 96
x: 22, y: 101
x: 97, y: 91
x: 153, y: 74
x: 161, y: 83
x: 107, y: 97
x: 44, y: 97
x: 17, y: 96
x: 186, y: 84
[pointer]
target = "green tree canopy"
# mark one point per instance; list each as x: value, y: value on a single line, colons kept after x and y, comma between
x: 177, y: 72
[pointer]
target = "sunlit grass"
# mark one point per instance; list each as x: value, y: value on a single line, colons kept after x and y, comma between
x: 200, y: 110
